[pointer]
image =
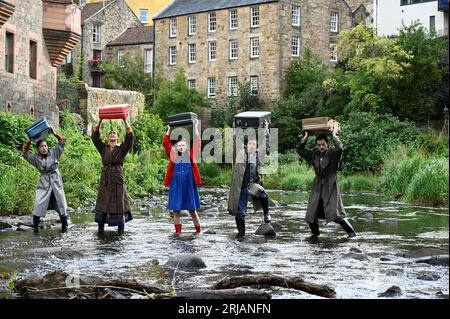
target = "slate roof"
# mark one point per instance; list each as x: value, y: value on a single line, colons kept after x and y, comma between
x: 92, y: 8
x: 183, y: 7
x: 134, y: 36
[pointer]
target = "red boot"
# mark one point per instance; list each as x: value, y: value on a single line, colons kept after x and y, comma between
x: 178, y: 228
x: 198, y: 229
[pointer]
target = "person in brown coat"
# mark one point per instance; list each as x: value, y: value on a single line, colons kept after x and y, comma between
x: 325, y: 200
x: 112, y: 204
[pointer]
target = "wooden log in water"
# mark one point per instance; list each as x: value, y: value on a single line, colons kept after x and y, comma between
x: 292, y: 282
x: 237, y: 293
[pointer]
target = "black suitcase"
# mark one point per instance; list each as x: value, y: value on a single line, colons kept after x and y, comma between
x: 254, y: 119
x: 182, y: 119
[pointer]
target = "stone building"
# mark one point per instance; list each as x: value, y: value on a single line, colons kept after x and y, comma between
x: 220, y: 43
x: 35, y: 37
x: 133, y: 42
x: 145, y: 10
x: 101, y: 23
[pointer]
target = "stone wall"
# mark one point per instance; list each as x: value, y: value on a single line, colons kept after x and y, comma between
x: 137, y: 50
x: 93, y: 98
x: 17, y: 89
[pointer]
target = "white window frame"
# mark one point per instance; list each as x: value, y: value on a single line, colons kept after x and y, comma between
x: 212, y: 87
x: 141, y: 10
x: 192, y: 25
x: 295, y: 46
x: 334, y: 21
x: 254, y: 47
x: 172, y: 55
x: 233, y: 85
x: 333, y: 53
x: 233, y: 49
x: 212, y: 51
x: 192, y: 53
x: 233, y: 19
x: 96, y: 33
x: 172, y: 27
x: 120, y: 54
x: 148, y: 61
x: 212, y: 22
x: 295, y: 14
x: 254, y: 85
x: 192, y: 84
x: 254, y: 17
x: 69, y: 57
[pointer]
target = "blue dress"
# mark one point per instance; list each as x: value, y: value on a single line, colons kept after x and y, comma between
x: 183, y: 192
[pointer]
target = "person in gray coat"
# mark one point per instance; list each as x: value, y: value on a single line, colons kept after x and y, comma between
x: 247, y: 181
x: 50, y: 190
x: 325, y: 200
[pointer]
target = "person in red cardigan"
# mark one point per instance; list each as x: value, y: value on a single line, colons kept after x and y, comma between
x: 182, y: 178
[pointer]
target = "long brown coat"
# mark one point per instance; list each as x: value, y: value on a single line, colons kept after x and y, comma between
x: 112, y: 196
x: 325, y: 185
x: 236, y: 183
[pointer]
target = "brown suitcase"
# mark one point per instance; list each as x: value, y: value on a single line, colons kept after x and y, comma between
x: 319, y: 125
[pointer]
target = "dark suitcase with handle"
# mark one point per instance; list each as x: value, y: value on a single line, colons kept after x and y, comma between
x: 253, y: 119
x: 182, y: 119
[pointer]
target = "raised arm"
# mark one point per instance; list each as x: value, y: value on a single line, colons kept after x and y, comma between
x: 59, y: 149
x: 338, y: 146
x: 305, y: 153
x: 99, y: 145
x: 166, y: 142
x: 197, y: 147
x: 30, y: 158
x: 126, y: 146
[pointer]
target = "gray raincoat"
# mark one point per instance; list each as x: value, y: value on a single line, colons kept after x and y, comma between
x: 50, y: 181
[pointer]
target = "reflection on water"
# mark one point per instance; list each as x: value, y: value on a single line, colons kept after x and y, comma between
x: 360, y: 268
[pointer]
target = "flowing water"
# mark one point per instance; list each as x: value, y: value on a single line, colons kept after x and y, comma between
x: 358, y: 268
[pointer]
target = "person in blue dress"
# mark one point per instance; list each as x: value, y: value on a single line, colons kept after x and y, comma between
x: 182, y: 178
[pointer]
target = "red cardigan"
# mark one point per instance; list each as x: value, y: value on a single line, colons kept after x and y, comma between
x: 172, y: 154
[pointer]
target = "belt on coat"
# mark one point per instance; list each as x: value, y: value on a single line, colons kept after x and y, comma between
x: 108, y: 176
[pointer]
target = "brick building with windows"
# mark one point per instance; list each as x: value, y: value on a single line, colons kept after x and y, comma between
x: 220, y: 43
x: 35, y: 37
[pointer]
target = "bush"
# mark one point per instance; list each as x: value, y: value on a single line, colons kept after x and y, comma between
x: 17, y: 184
x: 430, y: 185
x: 12, y: 133
x: 398, y: 171
x: 368, y: 138
x: 148, y: 130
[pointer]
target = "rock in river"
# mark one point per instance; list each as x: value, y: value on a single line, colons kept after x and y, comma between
x: 428, y: 276
x: 391, y: 292
x: 186, y: 262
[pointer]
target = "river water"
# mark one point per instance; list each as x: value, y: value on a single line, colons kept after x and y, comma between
x: 359, y: 268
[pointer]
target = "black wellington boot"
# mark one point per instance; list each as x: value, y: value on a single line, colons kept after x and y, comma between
x: 64, y: 223
x: 347, y: 227
x: 36, y: 220
x: 265, y: 206
x: 240, y: 223
x: 121, y: 228
x: 314, y: 228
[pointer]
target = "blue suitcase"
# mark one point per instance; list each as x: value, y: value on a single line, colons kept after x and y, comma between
x: 39, y: 130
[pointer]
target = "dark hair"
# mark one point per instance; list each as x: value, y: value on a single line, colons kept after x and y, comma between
x: 114, y: 132
x: 40, y: 142
x: 322, y: 137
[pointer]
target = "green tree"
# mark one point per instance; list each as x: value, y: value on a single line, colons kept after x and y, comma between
x: 174, y: 96
x: 424, y: 75
x: 374, y: 66
x: 129, y: 75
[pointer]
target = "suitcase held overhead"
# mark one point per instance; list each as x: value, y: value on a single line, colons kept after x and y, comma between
x: 253, y: 119
x: 320, y: 125
x: 182, y: 119
x: 38, y: 130
x: 114, y: 112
